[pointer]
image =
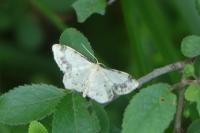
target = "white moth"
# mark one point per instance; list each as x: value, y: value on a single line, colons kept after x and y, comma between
x: 93, y: 80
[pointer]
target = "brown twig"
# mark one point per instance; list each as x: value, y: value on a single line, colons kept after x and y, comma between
x: 161, y: 71
x: 178, y: 119
x: 185, y: 82
x: 110, y: 2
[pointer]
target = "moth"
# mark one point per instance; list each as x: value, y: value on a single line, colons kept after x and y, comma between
x: 91, y: 79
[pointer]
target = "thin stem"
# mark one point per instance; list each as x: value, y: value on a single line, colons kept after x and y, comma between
x: 161, y: 71
x: 49, y: 14
x: 177, y: 126
x: 185, y: 82
x: 110, y: 2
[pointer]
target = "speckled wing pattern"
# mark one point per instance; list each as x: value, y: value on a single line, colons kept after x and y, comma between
x: 75, y: 67
x: 91, y: 79
x: 122, y: 83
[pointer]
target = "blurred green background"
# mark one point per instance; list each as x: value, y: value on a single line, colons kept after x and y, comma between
x: 135, y: 36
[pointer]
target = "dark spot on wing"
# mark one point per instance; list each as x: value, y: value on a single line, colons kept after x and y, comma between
x: 110, y: 96
x: 63, y: 60
x: 129, y: 78
x: 66, y: 63
x: 122, y: 87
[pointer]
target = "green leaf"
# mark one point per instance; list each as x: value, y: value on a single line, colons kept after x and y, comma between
x: 13, y: 129
x: 102, y: 116
x: 190, y: 46
x: 114, y: 129
x: 27, y: 103
x: 192, y: 94
x: 194, y: 127
x: 150, y: 111
x: 75, y: 39
x: 85, y: 8
x: 197, y: 2
x: 189, y: 71
x: 4, y: 129
x: 47, y: 122
x: 36, y: 127
x: 190, y: 111
x: 73, y: 115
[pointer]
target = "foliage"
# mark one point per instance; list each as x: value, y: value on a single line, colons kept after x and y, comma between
x: 153, y: 105
x: 138, y: 38
x: 190, y: 46
x: 193, y: 94
x: 74, y: 112
x: 36, y: 127
x: 194, y: 127
x: 77, y: 40
x: 85, y: 8
x: 27, y: 103
x: 189, y: 71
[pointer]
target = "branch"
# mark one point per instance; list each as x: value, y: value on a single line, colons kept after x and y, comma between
x: 110, y: 2
x: 177, y: 125
x: 185, y: 83
x: 161, y: 71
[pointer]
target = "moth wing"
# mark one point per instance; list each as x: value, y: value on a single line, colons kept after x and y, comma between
x: 67, y: 58
x: 75, y: 66
x: 99, y: 88
x: 122, y: 83
x: 76, y: 79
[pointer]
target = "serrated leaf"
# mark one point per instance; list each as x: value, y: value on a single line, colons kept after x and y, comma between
x: 150, y: 111
x: 85, y: 8
x: 73, y: 116
x: 192, y: 94
x: 190, y: 46
x: 194, y: 127
x: 36, y: 127
x: 26, y: 103
x: 75, y: 39
x: 189, y: 71
x: 102, y: 116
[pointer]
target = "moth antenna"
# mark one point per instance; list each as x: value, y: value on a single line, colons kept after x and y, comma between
x: 90, y: 53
